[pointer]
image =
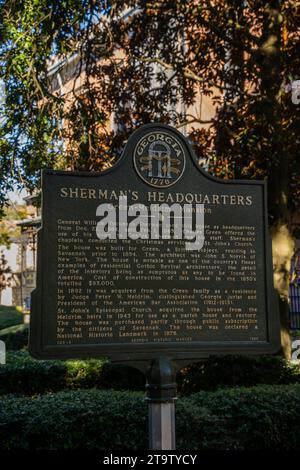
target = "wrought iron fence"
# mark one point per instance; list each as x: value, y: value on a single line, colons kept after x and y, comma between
x: 294, y: 306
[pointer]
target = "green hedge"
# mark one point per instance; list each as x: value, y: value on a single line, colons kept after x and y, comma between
x: 236, y: 419
x: 231, y: 371
x: 9, y: 316
x: 257, y: 418
x: 73, y: 420
x: 295, y: 334
x: 25, y: 375
x: 30, y: 376
x: 15, y: 337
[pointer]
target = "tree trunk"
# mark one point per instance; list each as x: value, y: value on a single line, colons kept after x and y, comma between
x: 278, y: 180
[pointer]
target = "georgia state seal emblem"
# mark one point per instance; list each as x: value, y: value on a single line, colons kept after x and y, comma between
x: 159, y: 159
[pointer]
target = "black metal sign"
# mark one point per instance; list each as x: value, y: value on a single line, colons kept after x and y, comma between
x: 143, y: 292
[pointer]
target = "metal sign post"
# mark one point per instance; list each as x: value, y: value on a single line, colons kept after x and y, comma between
x: 161, y: 396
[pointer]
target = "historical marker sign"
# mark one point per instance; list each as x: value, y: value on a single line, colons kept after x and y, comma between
x: 137, y: 299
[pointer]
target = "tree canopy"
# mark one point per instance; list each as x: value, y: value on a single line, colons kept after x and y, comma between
x: 8, y: 228
x: 72, y: 66
x: 149, y: 61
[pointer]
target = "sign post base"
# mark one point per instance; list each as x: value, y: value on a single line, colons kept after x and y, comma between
x: 161, y: 396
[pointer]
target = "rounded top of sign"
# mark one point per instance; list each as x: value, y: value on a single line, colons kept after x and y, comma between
x: 159, y: 158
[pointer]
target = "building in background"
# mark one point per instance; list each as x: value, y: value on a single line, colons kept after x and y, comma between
x: 25, y: 271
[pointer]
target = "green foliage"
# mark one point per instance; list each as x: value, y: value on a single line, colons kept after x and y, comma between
x: 236, y: 419
x: 232, y: 371
x: 121, y: 377
x: 262, y: 417
x: 74, y: 420
x: 15, y: 337
x: 31, y: 133
x: 9, y: 316
x: 25, y: 375
x: 295, y: 334
x: 241, y: 55
x: 8, y: 227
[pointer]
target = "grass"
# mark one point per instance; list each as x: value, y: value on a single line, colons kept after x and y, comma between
x: 9, y: 316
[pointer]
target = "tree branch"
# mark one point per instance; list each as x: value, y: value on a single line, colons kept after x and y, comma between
x: 191, y: 121
x: 188, y: 73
